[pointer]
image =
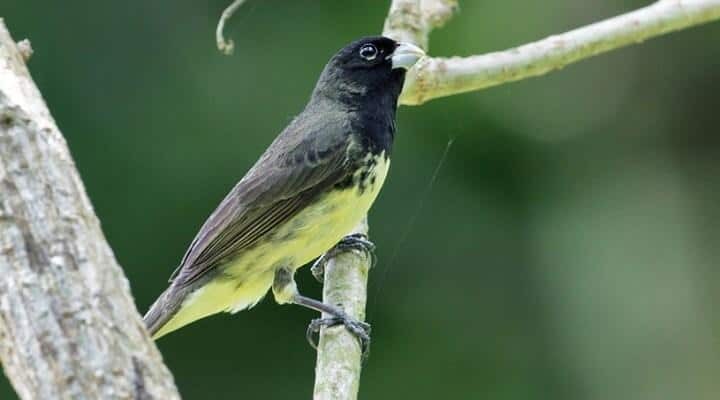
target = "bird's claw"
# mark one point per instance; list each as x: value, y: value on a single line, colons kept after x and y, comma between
x: 356, y: 241
x: 361, y: 330
x: 359, y: 242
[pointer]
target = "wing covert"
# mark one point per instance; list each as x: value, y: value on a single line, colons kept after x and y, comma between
x: 285, y: 179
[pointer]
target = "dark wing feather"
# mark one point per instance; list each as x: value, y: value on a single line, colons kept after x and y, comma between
x: 309, y: 157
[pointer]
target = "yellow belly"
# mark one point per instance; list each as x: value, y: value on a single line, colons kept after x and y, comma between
x: 306, y: 236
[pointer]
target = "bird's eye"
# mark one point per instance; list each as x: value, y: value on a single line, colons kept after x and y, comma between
x: 368, y: 52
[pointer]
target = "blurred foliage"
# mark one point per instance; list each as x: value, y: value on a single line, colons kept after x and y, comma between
x: 567, y: 250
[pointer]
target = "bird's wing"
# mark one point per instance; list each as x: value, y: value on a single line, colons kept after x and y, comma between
x: 294, y: 169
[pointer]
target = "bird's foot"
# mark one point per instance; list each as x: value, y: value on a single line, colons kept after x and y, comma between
x: 361, y: 330
x: 356, y: 241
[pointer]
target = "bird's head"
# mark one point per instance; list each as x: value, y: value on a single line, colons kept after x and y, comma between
x: 366, y: 69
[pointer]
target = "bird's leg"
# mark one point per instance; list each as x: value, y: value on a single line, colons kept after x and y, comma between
x: 285, y: 291
x: 356, y: 241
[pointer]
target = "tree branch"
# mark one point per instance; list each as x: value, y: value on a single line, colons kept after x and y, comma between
x: 339, y: 356
x: 226, y: 46
x: 412, y: 20
x: 68, y: 325
x: 439, y: 77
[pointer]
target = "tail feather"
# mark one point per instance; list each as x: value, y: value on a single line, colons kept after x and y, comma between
x: 177, y: 307
x: 161, y: 312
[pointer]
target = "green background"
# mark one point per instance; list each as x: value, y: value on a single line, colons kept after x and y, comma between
x: 567, y: 250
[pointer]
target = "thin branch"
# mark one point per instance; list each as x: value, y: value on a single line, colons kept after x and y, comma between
x: 439, y: 77
x: 68, y: 324
x: 412, y: 20
x: 226, y: 46
x: 339, y: 357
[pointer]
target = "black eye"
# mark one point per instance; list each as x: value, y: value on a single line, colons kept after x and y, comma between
x: 368, y: 52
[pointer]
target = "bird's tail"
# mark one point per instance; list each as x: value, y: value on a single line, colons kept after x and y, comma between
x: 161, y: 312
x: 177, y: 307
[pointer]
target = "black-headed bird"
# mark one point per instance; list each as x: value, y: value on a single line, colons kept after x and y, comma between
x: 312, y: 186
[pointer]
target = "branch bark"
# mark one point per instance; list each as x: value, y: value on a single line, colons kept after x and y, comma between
x: 413, y: 20
x: 435, y: 77
x: 339, y: 356
x: 68, y: 324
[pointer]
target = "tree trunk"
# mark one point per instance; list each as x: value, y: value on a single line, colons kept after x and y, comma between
x: 68, y: 324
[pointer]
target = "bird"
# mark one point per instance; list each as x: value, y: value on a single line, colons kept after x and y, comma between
x: 313, y: 184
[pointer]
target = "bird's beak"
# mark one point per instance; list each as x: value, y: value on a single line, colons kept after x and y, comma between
x: 406, y: 55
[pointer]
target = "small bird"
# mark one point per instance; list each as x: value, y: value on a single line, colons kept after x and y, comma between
x: 310, y: 188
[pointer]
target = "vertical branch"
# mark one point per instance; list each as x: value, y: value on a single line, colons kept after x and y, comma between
x: 413, y: 20
x: 68, y: 325
x: 339, y: 356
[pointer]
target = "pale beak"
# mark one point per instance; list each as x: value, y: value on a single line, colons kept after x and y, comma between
x: 406, y: 55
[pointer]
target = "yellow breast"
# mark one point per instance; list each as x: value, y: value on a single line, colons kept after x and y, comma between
x: 323, y: 223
